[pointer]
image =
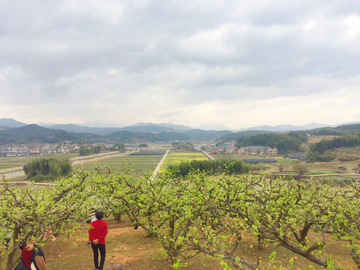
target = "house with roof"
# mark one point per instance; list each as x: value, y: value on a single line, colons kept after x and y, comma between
x: 295, y: 156
x: 231, y: 149
x: 259, y: 160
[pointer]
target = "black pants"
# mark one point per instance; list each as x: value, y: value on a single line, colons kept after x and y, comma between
x: 96, y: 249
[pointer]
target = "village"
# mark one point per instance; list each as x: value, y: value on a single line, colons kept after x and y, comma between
x: 19, y: 150
x: 225, y: 148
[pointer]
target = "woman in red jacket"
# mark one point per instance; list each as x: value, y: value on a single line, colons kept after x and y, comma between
x: 26, y: 253
x: 97, y: 235
x: 32, y: 254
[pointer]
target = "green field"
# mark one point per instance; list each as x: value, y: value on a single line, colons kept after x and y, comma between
x: 139, y: 164
x: 321, y: 172
x: 177, y: 157
x: 10, y: 162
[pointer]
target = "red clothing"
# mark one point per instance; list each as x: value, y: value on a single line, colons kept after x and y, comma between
x: 26, y: 257
x: 98, y: 231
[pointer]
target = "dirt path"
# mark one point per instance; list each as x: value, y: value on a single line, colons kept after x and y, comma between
x: 208, y: 156
x: 159, y: 166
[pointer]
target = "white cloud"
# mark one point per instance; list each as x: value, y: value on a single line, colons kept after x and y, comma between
x: 237, y: 63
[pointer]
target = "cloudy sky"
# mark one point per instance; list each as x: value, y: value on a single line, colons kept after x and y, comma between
x: 238, y: 63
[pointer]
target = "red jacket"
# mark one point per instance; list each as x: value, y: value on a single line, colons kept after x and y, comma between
x: 98, y: 231
x: 26, y: 257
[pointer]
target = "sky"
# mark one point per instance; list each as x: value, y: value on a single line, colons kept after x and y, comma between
x: 238, y: 63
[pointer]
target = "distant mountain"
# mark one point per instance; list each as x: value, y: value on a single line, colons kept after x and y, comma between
x: 339, y: 130
x: 9, y: 122
x: 212, y: 127
x: 285, y: 127
x: 107, y: 131
x: 176, y: 127
x: 205, y: 135
x: 82, y: 129
x: 35, y: 133
x: 166, y: 125
x: 126, y: 136
x: 148, y: 128
x: 192, y: 135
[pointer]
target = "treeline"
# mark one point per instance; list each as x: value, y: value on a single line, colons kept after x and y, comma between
x: 318, y: 150
x: 338, y: 131
x: 89, y: 151
x: 313, y: 156
x: 47, y: 168
x: 343, y: 141
x: 236, y: 135
x: 217, y: 166
x: 285, y: 143
x: 117, y: 146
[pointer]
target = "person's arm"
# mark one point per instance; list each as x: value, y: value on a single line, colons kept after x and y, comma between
x: 40, y: 262
x: 102, y: 236
x: 91, y: 236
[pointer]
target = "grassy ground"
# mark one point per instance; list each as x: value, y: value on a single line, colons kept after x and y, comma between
x: 136, y: 251
x: 178, y: 157
x: 321, y: 172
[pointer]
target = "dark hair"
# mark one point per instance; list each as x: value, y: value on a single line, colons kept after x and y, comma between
x: 23, y: 244
x: 99, y: 214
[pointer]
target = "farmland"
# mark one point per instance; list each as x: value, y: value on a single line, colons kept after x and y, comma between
x: 178, y: 157
x: 139, y: 164
x: 6, y: 162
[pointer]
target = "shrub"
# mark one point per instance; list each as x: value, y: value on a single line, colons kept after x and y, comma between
x: 218, y: 166
x: 49, y: 167
x: 38, y: 178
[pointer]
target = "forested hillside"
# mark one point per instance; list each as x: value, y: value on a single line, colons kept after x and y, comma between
x: 340, y: 130
x: 195, y: 134
x: 35, y: 133
x: 285, y: 143
x: 234, y: 136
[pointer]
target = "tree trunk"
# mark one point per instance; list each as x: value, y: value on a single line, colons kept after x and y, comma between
x: 261, y: 243
x: 11, y: 262
x: 117, y: 217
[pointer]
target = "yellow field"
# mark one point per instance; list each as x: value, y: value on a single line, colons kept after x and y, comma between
x: 177, y: 157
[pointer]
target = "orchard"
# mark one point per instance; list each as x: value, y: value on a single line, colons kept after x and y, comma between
x: 201, y: 214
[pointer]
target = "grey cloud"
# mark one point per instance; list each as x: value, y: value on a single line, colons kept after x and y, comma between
x: 184, y: 51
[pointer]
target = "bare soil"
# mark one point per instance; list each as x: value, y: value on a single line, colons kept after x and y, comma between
x: 135, y: 250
